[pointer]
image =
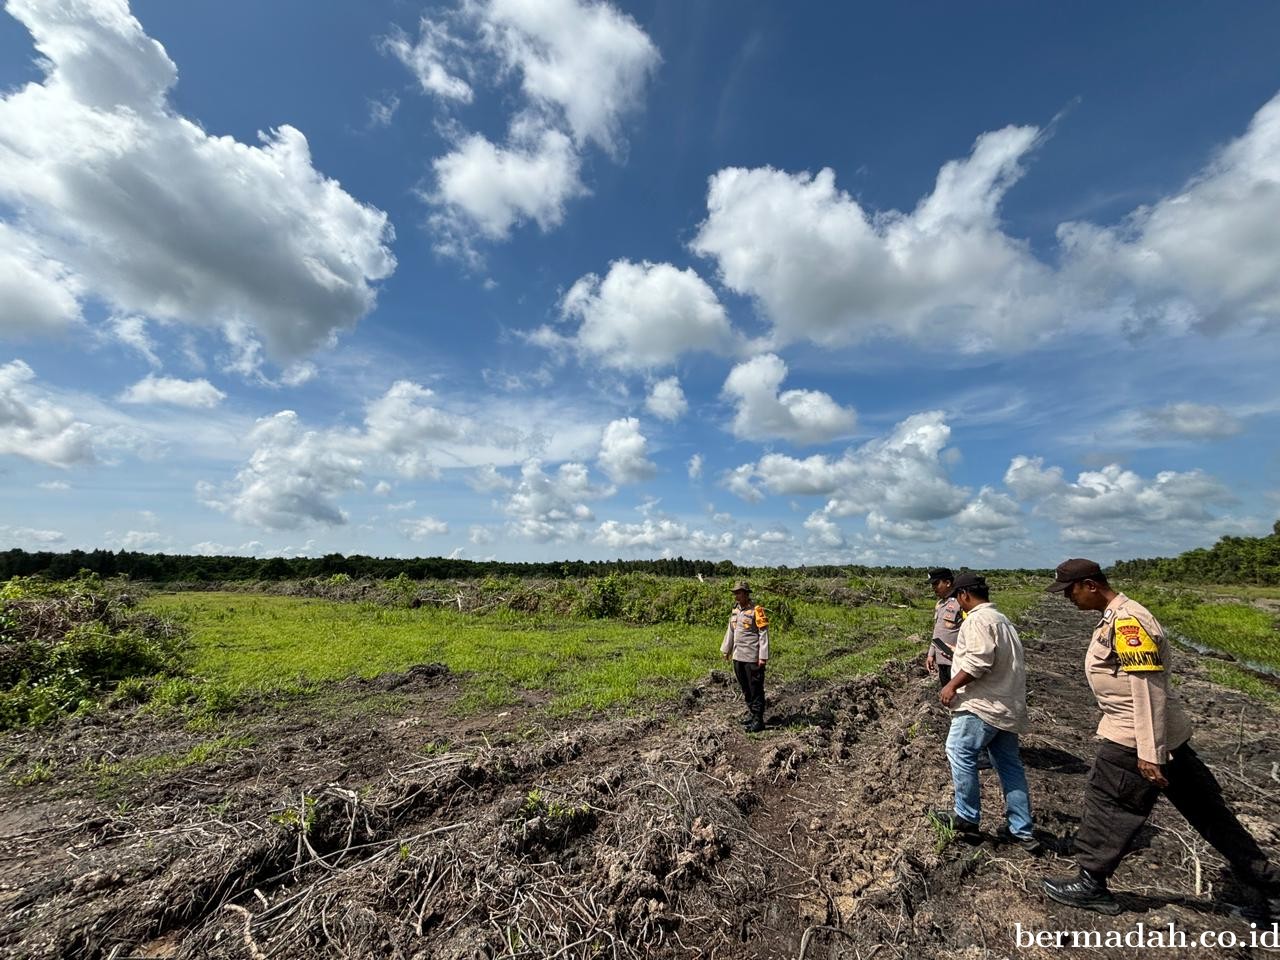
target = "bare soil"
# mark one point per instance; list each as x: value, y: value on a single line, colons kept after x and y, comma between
x: 373, y: 821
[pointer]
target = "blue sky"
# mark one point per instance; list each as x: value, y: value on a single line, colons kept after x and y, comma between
x: 535, y: 279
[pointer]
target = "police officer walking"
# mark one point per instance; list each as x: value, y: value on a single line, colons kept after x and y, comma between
x: 1144, y: 751
x: 946, y: 625
x: 746, y: 643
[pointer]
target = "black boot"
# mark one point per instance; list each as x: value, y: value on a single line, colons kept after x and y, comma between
x: 1083, y: 891
x: 757, y: 723
x: 746, y: 719
x: 1251, y: 896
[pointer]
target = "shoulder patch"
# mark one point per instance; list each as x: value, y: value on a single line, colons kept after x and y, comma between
x: 1135, y: 649
x: 952, y: 614
x: 762, y: 618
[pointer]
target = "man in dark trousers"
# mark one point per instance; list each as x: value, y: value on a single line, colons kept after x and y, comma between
x: 1144, y: 751
x: 746, y: 643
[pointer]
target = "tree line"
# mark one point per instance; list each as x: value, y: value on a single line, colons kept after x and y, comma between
x: 1253, y: 560
x: 180, y: 568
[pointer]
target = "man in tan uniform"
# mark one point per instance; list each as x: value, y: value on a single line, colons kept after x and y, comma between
x: 946, y: 625
x: 746, y: 643
x: 1144, y: 751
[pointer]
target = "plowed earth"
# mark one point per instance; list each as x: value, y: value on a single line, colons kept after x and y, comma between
x: 371, y: 822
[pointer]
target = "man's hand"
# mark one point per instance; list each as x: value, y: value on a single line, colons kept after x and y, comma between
x: 1153, y: 773
x: 725, y: 655
x: 948, y: 694
x: 759, y: 664
x: 929, y: 663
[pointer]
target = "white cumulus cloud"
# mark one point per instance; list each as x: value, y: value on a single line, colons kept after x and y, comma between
x: 1117, y: 496
x: 989, y: 518
x: 294, y: 477
x: 762, y: 413
x: 552, y: 507
x: 581, y: 67
x: 666, y: 400
x: 898, y: 482
x: 180, y: 393
x: 653, y: 533
x: 403, y: 426
x: 35, y: 427
x: 883, y: 529
x: 487, y: 189
x: 1204, y: 256
x: 160, y: 218
x: 624, y: 452
x: 640, y: 316
x: 588, y: 61
x: 1029, y: 479
x: 823, y: 531
x: 824, y: 269
x: 40, y: 295
x: 421, y: 528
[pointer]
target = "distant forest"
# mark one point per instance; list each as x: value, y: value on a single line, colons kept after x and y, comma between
x: 1253, y: 560
x: 177, y: 568
x: 1231, y: 560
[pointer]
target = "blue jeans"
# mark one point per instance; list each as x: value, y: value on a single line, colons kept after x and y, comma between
x: 969, y: 737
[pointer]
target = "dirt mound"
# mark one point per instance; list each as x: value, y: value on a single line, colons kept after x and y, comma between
x: 418, y: 836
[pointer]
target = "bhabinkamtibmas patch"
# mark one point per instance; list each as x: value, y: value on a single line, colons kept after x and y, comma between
x: 762, y: 619
x: 1135, y: 649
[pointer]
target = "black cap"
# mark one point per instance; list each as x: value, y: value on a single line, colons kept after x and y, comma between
x: 967, y: 581
x: 1073, y: 571
x: 940, y: 573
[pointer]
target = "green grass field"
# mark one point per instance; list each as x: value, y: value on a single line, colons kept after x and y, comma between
x: 1213, y: 616
x: 1224, y: 618
x: 1247, y: 633
x: 246, y: 643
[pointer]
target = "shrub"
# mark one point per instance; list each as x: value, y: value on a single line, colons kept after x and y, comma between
x: 65, y: 644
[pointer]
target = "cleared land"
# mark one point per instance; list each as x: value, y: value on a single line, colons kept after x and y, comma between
x: 352, y: 779
x: 288, y: 644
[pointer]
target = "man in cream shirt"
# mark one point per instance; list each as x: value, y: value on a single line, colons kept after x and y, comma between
x: 987, y: 696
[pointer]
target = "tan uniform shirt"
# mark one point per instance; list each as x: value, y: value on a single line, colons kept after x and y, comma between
x: 748, y: 635
x: 1127, y: 665
x: 947, y: 617
x: 989, y: 650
